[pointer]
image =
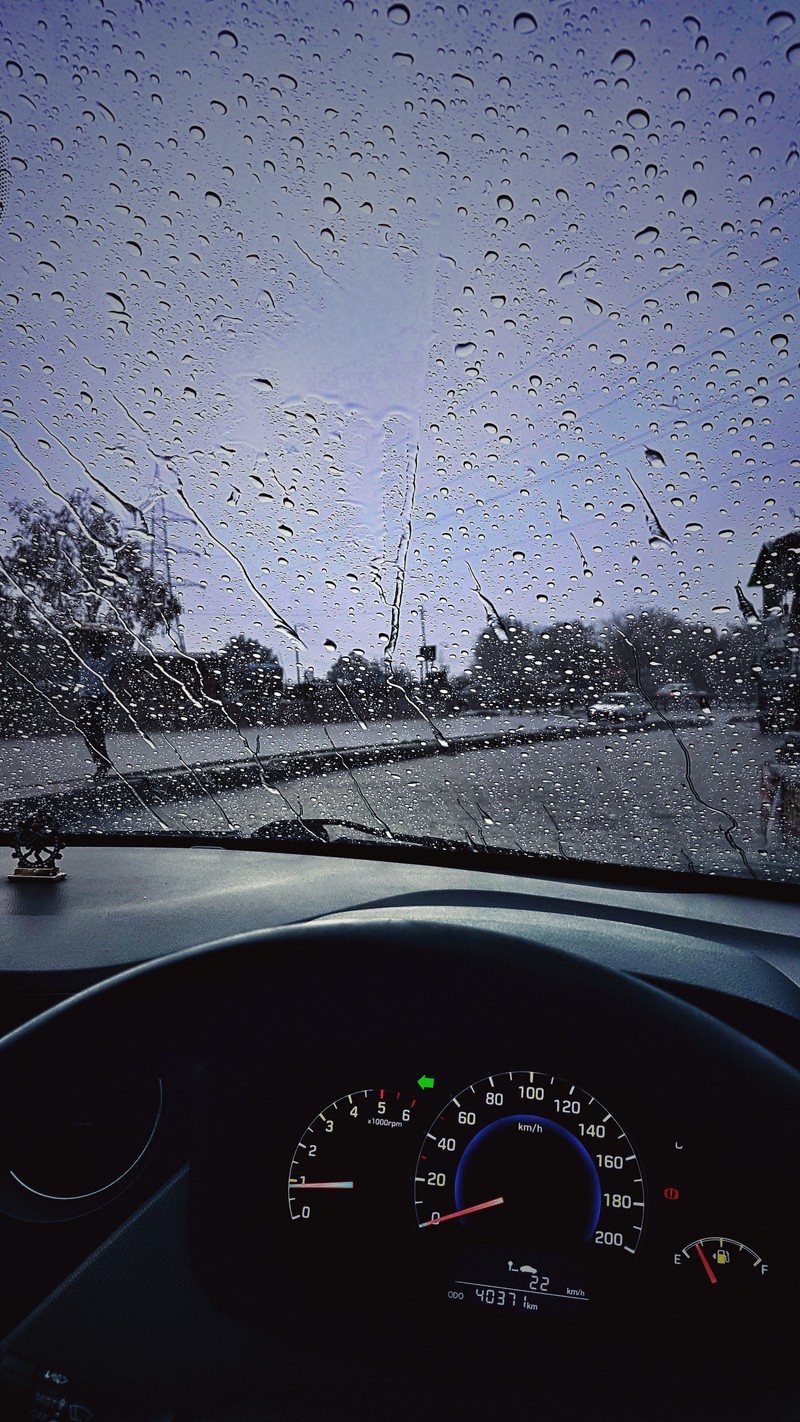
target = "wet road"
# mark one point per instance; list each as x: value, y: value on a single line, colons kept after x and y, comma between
x: 58, y: 762
x: 688, y: 800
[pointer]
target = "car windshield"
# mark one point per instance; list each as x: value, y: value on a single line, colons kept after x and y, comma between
x: 385, y: 386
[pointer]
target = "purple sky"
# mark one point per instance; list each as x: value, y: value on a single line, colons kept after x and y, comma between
x: 387, y: 299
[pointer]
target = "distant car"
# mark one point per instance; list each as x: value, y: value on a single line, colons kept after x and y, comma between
x: 680, y: 696
x: 622, y: 707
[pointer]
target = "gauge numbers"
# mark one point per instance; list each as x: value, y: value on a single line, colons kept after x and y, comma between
x: 340, y: 1164
x: 534, y: 1184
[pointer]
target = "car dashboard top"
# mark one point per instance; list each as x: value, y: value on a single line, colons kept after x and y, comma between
x: 515, y: 1121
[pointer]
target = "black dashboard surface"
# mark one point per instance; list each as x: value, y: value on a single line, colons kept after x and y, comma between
x: 424, y: 985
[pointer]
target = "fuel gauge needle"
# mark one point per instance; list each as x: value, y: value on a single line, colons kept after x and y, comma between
x: 712, y: 1276
x: 323, y: 1185
x: 470, y: 1210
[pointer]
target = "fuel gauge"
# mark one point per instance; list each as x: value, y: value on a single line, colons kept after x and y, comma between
x: 717, y: 1259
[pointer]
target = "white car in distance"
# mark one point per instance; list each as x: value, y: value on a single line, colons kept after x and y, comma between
x: 622, y: 707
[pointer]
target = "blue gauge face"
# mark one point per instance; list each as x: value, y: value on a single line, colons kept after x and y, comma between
x: 541, y: 1169
x: 531, y: 1188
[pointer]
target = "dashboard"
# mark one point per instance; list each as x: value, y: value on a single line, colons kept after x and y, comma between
x: 422, y: 1152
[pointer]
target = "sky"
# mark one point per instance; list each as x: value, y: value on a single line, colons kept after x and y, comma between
x: 407, y: 305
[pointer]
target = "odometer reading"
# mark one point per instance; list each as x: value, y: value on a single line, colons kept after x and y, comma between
x: 532, y: 1190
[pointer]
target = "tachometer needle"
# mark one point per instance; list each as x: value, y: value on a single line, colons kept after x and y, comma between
x: 470, y: 1210
x: 712, y: 1276
x: 323, y: 1185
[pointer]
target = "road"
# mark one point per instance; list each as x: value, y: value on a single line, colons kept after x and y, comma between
x: 688, y: 800
x: 38, y: 763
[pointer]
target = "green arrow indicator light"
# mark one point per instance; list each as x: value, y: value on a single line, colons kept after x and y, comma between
x: 425, y: 1082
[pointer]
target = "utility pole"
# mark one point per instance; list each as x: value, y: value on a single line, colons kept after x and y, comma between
x: 301, y: 627
x: 427, y: 652
x: 162, y: 553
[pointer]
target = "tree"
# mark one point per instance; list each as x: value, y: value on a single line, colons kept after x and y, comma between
x: 502, y: 673
x: 362, y: 682
x: 251, y: 673
x: 75, y: 565
x: 365, y: 688
x: 660, y: 648
x: 532, y: 667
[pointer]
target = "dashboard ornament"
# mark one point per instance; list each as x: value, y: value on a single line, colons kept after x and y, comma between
x: 38, y: 849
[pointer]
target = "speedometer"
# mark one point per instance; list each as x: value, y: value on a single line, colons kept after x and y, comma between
x: 530, y: 1191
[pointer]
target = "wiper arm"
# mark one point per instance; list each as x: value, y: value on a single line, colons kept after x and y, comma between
x: 308, y: 830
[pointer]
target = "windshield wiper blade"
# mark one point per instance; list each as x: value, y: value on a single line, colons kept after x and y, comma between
x: 306, y: 830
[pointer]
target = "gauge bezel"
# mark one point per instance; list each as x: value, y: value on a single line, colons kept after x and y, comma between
x: 550, y: 1111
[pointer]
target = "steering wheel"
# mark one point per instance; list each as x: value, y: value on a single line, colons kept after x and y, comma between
x: 362, y: 998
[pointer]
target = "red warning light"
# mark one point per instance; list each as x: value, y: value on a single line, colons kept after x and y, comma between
x: 671, y: 1193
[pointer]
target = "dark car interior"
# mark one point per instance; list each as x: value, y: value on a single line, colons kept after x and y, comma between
x: 155, y: 1115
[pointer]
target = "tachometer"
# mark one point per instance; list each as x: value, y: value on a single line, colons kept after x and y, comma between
x: 344, y: 1168
x: 532, y: 1191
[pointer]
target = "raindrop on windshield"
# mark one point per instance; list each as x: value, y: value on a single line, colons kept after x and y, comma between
x: 398, y: 14
x: 524, y: 23
x: 780, y: 21
x: 623, y: 60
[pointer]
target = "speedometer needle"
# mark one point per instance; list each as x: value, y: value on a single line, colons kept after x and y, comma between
x: 470, y: 1210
